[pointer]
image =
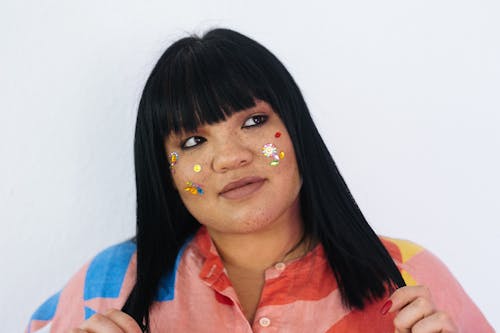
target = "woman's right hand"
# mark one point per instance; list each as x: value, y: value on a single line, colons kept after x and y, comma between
x: 113, y: 321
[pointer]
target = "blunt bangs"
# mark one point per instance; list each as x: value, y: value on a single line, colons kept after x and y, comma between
x: 208, y: 79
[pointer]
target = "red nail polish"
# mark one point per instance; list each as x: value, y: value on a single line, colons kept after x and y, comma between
x: 386, y: 307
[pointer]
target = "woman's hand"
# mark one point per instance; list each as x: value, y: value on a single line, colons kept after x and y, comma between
x: 113, y: 321
x: 417, y: 313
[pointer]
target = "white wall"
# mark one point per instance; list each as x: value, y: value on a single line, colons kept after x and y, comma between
x: 406, y: 94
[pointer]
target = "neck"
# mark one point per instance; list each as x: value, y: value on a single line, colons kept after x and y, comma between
x: 256, y: 251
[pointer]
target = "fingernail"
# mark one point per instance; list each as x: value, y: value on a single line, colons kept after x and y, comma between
x: 386, y: 307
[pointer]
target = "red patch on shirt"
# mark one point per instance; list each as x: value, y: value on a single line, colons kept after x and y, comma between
x: 393, y: 249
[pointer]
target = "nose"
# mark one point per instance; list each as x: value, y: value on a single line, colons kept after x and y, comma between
x: 231, y: 155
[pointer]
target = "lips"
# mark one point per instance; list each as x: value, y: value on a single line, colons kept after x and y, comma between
x: 242, y: 187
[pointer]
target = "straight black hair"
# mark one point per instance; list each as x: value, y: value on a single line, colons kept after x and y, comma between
x: 200, y: 80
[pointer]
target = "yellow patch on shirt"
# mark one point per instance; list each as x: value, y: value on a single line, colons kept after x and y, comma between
x: 409, y: 280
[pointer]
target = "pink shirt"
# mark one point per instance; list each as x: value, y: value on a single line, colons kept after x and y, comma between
x: 298, y: 296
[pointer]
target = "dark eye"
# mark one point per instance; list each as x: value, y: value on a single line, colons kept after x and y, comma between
x: 193, y: 141
x: 255, y: 121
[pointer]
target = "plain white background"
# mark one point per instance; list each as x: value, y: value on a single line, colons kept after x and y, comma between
x: 405, y: 93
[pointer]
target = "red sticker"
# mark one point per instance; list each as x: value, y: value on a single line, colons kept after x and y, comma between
x: 277, y: 134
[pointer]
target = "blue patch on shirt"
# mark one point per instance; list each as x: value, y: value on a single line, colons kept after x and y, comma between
x: 167, y: 282
x: 47, y: 310
x: 89, y: 312
x: 106, y: 272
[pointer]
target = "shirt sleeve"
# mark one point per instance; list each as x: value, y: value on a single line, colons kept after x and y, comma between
x: 103, y: 283
x: 57, y: 312
x: 420, y: 267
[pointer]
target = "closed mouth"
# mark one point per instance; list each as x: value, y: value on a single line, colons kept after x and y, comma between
x: 242, y: 187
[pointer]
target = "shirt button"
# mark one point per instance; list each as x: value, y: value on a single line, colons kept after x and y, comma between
x: 264, y: 321
x: 280, y: 266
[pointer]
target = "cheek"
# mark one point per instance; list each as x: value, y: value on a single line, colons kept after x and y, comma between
x: 190, y: 177
x: 193, y: 187
x: 275, y: 149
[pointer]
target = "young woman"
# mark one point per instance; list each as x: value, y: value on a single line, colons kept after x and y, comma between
x: 244, y: 223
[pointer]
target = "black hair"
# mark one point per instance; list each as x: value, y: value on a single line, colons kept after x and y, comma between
x: 200, y: 80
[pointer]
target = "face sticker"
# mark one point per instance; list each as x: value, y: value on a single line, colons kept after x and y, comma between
x: 172, y: 158
x: 270, y: 150
x: 197, y: 168
x: 277, y: 134
x: 193, y: 188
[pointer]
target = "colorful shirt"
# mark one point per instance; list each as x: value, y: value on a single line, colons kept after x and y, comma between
x: 298, y: 296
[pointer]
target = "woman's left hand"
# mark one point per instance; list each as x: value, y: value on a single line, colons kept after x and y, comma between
x: 416, y: 312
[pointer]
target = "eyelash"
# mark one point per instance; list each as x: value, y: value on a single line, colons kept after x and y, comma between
x: 262, y: 120
x: 198, y: 140
x: 258, y: 120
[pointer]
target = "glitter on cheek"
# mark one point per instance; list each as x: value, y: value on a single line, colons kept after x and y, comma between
x: 197, y: 168
x: 172, y: 158
x: 193, y: 188
x: 270, y: 150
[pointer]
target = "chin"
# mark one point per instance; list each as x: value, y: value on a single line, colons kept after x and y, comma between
x: 254, y: 225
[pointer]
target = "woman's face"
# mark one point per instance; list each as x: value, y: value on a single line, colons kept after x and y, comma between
x: 239, y: 175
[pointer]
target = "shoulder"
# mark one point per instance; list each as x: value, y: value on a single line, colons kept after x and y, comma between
x: 419, y: 266
x: 103, y: 282
x: 107, y: 271
x: 401, y: 250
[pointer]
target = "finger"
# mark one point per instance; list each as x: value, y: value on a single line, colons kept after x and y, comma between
x: 412, y: 313
x: 405, y: 295
x: 77, y: 330
x: 438, y: 322
x: 100, y: 323
x: 124, y: 321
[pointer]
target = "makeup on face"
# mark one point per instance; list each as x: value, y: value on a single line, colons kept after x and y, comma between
x: 270, y: 150
x: 172, y: 158
x: 193, y: 188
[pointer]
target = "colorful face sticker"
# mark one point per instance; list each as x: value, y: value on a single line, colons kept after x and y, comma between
x: 270, y: 150
x: 193, y: 188
x: 197, y: 168
x: 172, y: 158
